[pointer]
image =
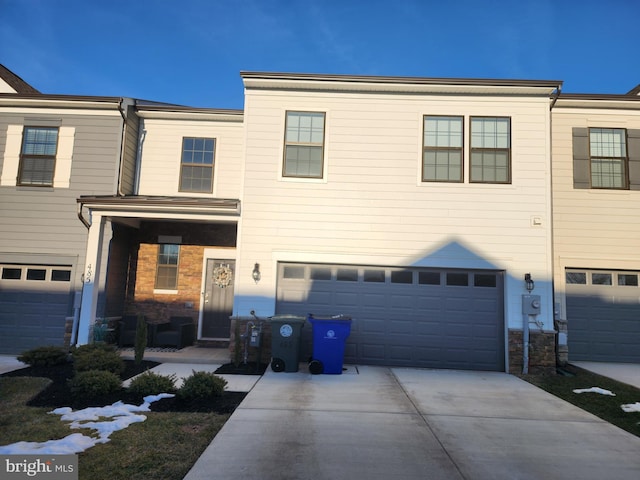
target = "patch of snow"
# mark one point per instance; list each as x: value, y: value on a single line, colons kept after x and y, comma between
x: 631, y: 407
x: 121, y: 414
x: 599, y: 390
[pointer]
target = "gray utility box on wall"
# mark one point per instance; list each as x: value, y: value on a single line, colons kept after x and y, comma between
x: 531, y: 304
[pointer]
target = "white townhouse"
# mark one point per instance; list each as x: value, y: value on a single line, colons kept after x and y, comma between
x: 596, y: 198
x: 414, y: 205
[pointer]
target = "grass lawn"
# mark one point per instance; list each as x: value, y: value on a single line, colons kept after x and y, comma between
x: 165, y: 446
x: 604, y: 406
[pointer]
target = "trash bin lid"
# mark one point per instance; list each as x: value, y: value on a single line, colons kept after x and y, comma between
x: 289, y: 318
x: 334, y: 318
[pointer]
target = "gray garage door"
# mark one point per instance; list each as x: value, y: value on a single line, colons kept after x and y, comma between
x: 403, y: 317
x: 34, y: 301
x: 603, y: 315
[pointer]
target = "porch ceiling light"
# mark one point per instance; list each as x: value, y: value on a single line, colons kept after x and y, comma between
x: 256, y: 273
x: 528, y: 282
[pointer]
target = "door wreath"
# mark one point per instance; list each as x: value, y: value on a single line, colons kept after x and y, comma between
x: 222, y: 276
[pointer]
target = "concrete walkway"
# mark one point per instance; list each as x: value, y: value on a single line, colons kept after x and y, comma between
x: 628, y: 373
x: 382, y: 423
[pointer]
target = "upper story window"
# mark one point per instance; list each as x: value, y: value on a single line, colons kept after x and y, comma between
x: 38, y: 156
x: 606, y: 158
x: 167, y: 267
x: 608, y: 153
x: 442, y: 149
x: 196, y: 169
x: 490, y: 150
x: 304, y: 145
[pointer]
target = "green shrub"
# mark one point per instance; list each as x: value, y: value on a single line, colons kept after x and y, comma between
x: 94, y: 383
x: 44, y: 356
x: 150, y: 383
x: 98, y: 356
x: 202, y: 385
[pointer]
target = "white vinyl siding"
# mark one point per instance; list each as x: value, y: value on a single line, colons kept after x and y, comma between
x: 162, y: 149
x: 374, y: 207
x: 593, y: 228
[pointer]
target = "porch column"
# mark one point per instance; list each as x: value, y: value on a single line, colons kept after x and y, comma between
x: 91, y: 279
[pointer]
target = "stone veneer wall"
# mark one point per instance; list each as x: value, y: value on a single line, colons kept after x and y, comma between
x: 236, y: 342
x: 542, y: 352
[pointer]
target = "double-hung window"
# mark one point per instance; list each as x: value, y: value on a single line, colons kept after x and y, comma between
x: 167, y: 267
x: 442, y: 149
x: 196, y: 169
x: 490, y: 150
x: 38, y: 156
x: 608, y: 153
x: 304, y: 145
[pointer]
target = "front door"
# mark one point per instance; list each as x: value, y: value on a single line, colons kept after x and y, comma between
x: 218, y: 298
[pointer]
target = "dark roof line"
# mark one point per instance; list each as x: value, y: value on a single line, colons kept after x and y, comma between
x: 15, y: 82
x: 399, y: 80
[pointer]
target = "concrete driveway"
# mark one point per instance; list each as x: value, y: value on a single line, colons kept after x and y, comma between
x: 383, y: 423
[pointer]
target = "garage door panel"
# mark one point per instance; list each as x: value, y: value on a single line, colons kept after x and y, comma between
x: 317, y: 297
x: 603, y: 320
x: 396, y: 322
x: 34, y: 302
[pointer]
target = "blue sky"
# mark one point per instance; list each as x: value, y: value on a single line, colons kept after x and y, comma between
x: 190, y: 52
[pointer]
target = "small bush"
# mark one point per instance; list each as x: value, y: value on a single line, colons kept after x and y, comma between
x: 150, y: 383
x: 44, y: 356
x: 98, y: 357
x: 94, y: 383
x: 202, y: 385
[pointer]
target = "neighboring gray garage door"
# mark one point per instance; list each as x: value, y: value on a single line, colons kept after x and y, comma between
x: 34, y: 301
x: 404, y: 317
x: 603, y: 315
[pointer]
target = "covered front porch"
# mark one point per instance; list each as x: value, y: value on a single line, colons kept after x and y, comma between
x: 159, y: 257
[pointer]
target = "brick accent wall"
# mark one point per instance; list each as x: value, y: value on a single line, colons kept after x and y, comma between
x: 158, y: 307
x: 542, y: 352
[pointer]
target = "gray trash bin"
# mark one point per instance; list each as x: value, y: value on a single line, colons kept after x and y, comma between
x: 285, y: 342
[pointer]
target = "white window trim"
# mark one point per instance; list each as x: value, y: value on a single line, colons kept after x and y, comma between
x: 64, y: 156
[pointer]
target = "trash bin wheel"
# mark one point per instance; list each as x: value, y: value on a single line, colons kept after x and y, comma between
x: 277, y: 365
x: 316, y: 367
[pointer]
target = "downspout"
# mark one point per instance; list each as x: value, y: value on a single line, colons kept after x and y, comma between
x: 84, y: 221
x: 122, y: 146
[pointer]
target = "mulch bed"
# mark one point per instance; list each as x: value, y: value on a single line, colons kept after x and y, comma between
x: 249, y: 368
x: 58, y: 394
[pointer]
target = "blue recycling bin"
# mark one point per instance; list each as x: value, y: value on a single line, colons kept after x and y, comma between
x: 329, y: 338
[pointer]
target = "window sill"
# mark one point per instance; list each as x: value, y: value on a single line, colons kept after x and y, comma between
x: 161, y: 291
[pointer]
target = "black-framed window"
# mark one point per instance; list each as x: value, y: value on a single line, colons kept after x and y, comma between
x: 38, y: 156
x: 608, y: 157
x: 167, y: 267
x: 196, y: 168
x: 490, y: 150
x: 304, y: 145
x: 442, y: 157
